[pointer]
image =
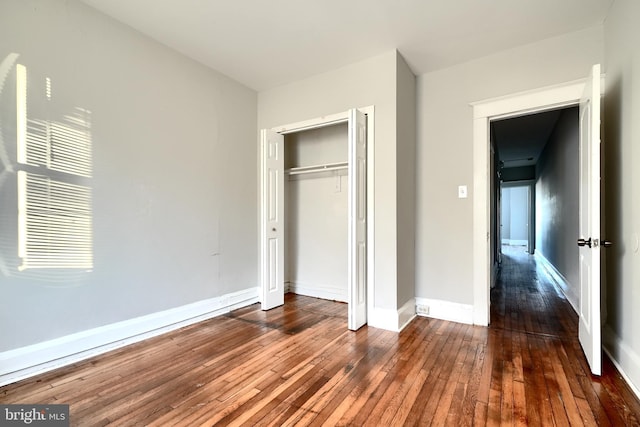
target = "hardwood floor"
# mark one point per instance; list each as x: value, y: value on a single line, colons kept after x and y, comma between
x: 299, y: 365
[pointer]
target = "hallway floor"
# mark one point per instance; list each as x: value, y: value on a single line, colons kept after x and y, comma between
x: 538, y: 330
x: 525, y: 300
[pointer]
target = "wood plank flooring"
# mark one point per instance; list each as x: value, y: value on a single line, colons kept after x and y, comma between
x: 299, y: 365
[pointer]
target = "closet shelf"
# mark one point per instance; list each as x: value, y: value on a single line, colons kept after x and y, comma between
x: 318, y: 168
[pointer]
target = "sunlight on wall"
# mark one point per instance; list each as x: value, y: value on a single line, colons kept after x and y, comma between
x: 45, y: 192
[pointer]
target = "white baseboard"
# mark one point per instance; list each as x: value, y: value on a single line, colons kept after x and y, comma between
x: 625, y: 359
x: 445, y: 310
x: 324, y: 292
x: 392, y: 320
x: 513, y: 242
x: 494, y: 274
x: 558, y: 279
x: 406, y: 313
x: 38, y: 358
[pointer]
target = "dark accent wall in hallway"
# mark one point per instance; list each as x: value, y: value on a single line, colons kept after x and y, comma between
x: 557, y: 200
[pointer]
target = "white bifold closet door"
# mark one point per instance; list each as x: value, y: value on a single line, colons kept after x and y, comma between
x: 272, y: 219
x: 357, y: 219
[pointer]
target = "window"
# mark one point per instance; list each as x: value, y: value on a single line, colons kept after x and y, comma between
x: 54, y: 168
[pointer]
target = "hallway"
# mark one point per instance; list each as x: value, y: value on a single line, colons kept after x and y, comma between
x: 525, y: 300
x: 534, y: 329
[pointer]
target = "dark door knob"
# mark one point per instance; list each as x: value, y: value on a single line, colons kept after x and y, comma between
x: 607, y: 243
x: 582, y: 242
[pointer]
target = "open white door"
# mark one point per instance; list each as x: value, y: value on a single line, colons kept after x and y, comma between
x: 589, y: 227
x: 272, y: 221
x: 357, y: 220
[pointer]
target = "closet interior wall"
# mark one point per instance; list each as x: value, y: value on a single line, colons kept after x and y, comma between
x: 316, y: 212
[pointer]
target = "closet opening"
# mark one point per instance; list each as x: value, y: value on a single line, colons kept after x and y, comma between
x: 314, y: 211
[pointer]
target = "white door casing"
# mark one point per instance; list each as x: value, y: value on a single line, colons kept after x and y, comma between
x: 557, y: 96
x: 529, y: 102
x: 589, y: 223
x: 357, y: 287
x: 272, y: 219
x: 272, y: 212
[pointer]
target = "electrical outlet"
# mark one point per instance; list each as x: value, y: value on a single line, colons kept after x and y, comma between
x: 422, y: 309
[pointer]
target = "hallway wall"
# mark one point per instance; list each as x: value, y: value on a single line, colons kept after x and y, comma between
x: 557, y: 201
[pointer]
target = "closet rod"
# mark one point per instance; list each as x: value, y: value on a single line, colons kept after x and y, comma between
x: 318, y: 168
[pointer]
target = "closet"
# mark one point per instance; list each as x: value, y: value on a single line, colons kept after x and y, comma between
x: 316, y: 209
x: 313, y: 212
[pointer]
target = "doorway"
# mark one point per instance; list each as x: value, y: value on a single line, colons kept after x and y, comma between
x: 517, y: 215
x: 539, y: 182
x: 587, y: 95
x: 485, y: 112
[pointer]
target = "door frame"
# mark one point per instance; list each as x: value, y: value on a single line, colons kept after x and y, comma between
x: 333, y: 119
x: 538, y: 100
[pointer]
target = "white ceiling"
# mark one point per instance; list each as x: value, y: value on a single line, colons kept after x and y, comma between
x: 263, y: 44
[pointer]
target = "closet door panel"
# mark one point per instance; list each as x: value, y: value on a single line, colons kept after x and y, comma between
x: 272, y: 219
x: 357, y: 219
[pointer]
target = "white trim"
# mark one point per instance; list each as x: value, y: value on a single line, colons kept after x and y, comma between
x: 318, y: 122
x: 514, y: 242
x: 371, y: 242
x: 531, y: 101
x: 392, y: 320
x: 446, y: 310
x: 558, y: 279
x: 623, y: 356
x: 383, y: 318
x: 483, y: 111
x: 494, y: 275
x: 38, y: 358
x: 406, y: 313
x: 318, y: 291
x: 481, y: 217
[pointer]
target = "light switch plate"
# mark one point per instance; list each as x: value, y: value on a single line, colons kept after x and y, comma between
x: 462, y: 191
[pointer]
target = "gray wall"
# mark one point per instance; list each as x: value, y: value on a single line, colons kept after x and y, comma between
x: 174, y: 177
x: 557, y: 194
x: 444, y: 258
x: 406, y: 170
x: 622, y: 185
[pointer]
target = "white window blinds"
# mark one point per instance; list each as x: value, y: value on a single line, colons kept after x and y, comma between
x: 54, y: 168
x: 54, y: 223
